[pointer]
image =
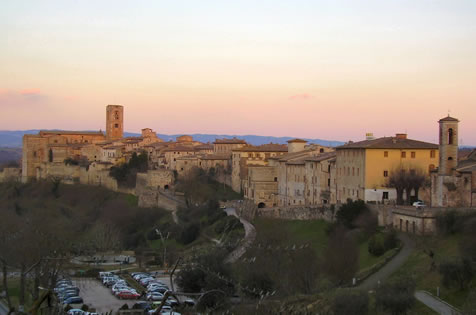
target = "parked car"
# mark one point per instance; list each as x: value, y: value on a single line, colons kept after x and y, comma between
x: 130, y: 295
x: 155, y: 296
x: 419, y: 204
x: 189, y: 302
x: 142, y: 305
x: 73, y: 300
x: 159, y: 289
x: 76, y: 311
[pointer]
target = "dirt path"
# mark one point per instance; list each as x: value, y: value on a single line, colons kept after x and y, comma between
x: 250, y: 235
x: 372, y: 282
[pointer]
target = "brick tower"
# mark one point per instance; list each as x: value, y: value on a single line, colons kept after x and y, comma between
x: 114, y: 122
x: 448, y: 145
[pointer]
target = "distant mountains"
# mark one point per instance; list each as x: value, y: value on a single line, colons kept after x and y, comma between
x: 13, y: 139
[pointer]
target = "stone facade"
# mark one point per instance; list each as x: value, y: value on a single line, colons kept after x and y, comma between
x: 114, y: 122
x: 453, y: 184
x: 226, y: 146
x: 10, y: 174
x: 261, y: 185
x: 248, y: 156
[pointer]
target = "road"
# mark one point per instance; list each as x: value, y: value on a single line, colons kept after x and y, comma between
x: 372, y: 282
x: 98, y: 296
x: 435, y: 304
x: 250, y: 235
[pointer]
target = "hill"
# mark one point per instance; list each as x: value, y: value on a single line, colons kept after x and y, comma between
x: 14, y: 138
x: 10, y: 155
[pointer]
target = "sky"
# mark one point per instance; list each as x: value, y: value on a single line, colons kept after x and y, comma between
x: 332, y: 69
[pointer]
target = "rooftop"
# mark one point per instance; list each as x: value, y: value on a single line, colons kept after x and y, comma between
x: 448, y: 118
x: 70, y: 132
x: 229, y: 141
x: 297, y: 141
x: 389, y: 143
x: 271, y: 147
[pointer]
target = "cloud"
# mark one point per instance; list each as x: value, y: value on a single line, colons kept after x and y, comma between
x: 30, y: 92
x: 22, y: 98
x: 303, y: 96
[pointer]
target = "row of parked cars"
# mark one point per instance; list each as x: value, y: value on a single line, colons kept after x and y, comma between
x: 119, y: 287
x: 67, y: 292
x: 156, y: 290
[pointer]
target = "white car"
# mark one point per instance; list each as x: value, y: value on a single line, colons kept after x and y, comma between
x: 419, y: 204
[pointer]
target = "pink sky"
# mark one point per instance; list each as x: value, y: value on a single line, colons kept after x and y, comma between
x: 313, y: 70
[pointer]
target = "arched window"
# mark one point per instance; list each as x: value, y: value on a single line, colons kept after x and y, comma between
x: 450, y: 136
x: 450, y: 159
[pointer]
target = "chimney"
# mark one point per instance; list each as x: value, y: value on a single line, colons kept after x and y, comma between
x: 401, y: 136
x: 369, y: 136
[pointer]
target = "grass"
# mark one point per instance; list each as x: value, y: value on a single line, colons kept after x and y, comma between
x: 427, y: 278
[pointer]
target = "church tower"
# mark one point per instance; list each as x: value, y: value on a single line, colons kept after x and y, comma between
x: 448, y: 145
x: 114, y: 122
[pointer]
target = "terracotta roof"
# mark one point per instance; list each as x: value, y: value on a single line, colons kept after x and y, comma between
x: 297, y: 140
x: 229, y: 141
x: 322, y: 157
x: 180, y: 149
x: 114, y: 147
x: 263, y: 148
x: 214, y: 157
x: 204, y: 147
x: 448, y: 118
x: 389, y: 143
x: 69, y: 132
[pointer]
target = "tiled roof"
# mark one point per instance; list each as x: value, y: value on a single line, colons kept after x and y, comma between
x: 297, y: 140
x: 204, y: 147
x: 229, y: 141
x: 69, y: 132
x: 180, y: 149
x: 448, y: 118
x: 322, y: 157
x: 263, y: 148
x: 389, y: 143
x: 214, y: 157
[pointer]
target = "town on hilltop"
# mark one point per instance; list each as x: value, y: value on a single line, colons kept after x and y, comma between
x: 281, y: 180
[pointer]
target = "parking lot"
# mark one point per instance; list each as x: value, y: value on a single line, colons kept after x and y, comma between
x: 98, y: 296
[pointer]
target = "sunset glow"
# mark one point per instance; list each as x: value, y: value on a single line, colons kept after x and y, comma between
x: 316, y: 69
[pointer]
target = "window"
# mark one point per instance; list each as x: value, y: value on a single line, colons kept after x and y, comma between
x: 353, y: 171
x: 328, y: 182
x: 450, y: 159
x: 450, y: 136
x: 275, y: 179
x: 431, y: 167
x: 413, y: 154
x: 385, y: 173
x: 321, y: 150
x: 116, y: 125
x: 432, y: 154
x: 385, y: 195
x: 385, y: 153
x: 404, y: 154
x: 358, y: 171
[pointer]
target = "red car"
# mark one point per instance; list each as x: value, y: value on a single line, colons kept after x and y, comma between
x: 128, y: 295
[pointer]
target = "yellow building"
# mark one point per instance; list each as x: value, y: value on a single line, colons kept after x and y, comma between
x: 363, y: 168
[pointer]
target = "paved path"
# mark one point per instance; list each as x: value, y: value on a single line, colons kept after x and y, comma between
x: 372, y: 282
x: 435, y: 303
x: 3, y: 309
x: 250, y: 235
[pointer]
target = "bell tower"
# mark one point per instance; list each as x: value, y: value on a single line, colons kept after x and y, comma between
x: 114, y: 122
x: 448, y: 145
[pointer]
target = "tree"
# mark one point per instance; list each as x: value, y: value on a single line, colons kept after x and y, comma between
x: 351, y: 303
x: 456, y: 273
x: 350, y: 211
x: 341, y: 256
x: 397, y: 296
x: 405, y: 181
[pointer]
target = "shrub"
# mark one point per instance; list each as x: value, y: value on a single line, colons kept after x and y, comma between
x: 456, y: 273
x: 376, y: 245
x: 396, y: 297
x: 228, y: 223
x: 189, y: 233
x: 391, y: 240
x: 351, y: 303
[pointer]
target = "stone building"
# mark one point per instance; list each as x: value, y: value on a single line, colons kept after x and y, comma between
x: 453, y: 184
x: 114, y: 122
x: 226, y: 146
x: 261, y: 185
x: 292, y: 174
x: 364, y: 167
x: 320, y: 180
x: 53, y: 147
x: 247, y: 156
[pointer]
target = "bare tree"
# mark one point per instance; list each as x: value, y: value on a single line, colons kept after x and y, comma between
x: 406, y: 181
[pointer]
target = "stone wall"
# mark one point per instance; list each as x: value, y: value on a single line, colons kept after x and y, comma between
x: 298, y: 213
x: 10, y: 173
